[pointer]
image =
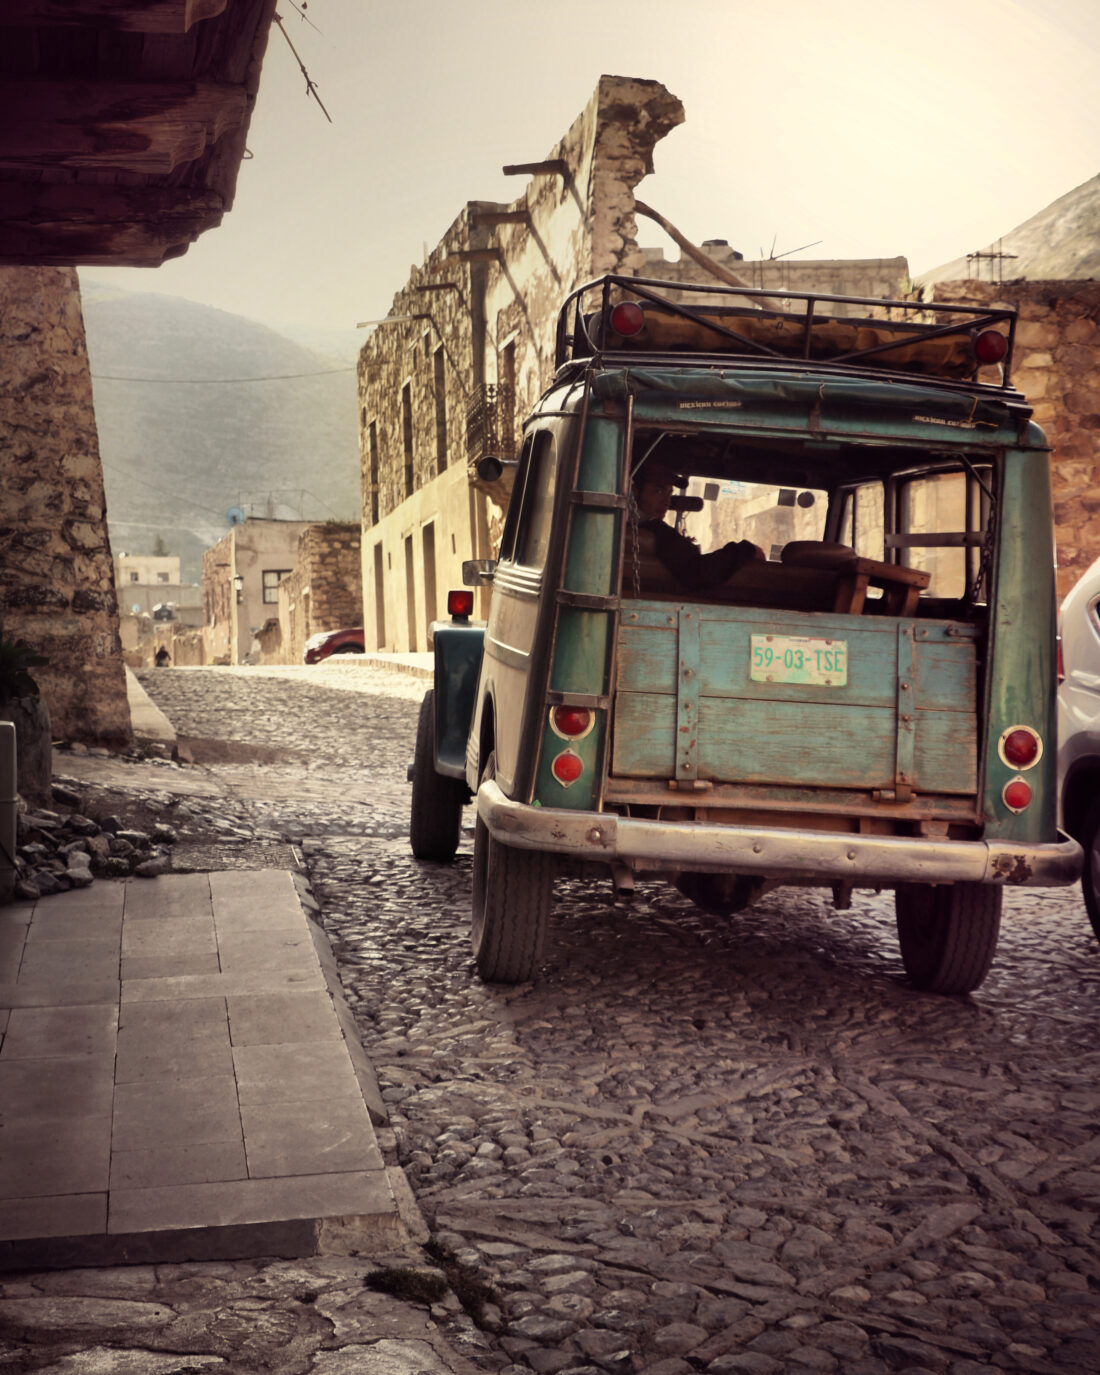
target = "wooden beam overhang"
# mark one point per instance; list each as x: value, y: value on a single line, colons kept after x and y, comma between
x: 155, y: 16
x: 122, y: 124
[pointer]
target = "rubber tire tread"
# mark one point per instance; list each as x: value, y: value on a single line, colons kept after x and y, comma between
x: 948, y: 933
x: 1090, y: 882
x: 435, y: 817
x: 511, y: 900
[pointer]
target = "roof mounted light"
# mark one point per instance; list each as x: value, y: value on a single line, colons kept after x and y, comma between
x: 627, y: 319
x: 990, y: 346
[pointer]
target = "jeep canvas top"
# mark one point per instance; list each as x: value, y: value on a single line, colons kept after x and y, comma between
x: 857, y: 694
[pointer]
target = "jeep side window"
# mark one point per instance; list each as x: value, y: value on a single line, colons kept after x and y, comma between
x: 537, y: 508
x: 862, y: 520
x: 941, y: 524
x: 515, y: 502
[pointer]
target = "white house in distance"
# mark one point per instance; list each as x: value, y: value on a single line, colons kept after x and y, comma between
x: 145, y: 582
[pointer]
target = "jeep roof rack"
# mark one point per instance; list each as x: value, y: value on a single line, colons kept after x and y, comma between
x: 618, y: 320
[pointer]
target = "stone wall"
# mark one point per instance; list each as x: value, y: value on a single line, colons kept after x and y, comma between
x: 1057, y: 367
x: 57, y: 587
x: 868, y: 277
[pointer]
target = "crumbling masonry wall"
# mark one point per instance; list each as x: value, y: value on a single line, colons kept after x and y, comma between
x: 1057, y: 367
x: 484, y: 309
x: 57, y: 587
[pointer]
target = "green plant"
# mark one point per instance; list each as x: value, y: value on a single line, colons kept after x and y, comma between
x: 17, y: 658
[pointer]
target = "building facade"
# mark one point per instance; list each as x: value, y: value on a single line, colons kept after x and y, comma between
x: 240, y: 585
x: 469, y: 347
x: 324, y: 591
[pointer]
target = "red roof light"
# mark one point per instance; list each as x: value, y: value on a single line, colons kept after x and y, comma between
x: 627, y: 318
x: 990, y: 346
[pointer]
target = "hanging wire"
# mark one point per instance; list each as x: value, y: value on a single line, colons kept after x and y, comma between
x: 300, y: 10
x: 216, y: 381
x: 311, y: 86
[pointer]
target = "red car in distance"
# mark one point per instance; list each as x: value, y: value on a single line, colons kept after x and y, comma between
x: 347, y: 641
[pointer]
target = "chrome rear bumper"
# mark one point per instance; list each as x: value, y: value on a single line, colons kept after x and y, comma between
x: 791, y: 855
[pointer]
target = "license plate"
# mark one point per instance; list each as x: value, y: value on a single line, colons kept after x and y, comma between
x: 798, y: 659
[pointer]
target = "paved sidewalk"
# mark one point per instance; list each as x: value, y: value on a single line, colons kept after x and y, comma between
x: 180, y: 1079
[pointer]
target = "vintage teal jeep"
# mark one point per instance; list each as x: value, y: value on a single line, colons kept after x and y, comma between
x: 867, y: 703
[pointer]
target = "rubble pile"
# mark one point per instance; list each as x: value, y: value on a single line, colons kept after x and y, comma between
x: 56, y: 851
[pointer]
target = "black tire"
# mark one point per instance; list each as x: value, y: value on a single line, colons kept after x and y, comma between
x: 512, y: 892
x: 1090, y: 874
x: 948, y: 933
x: 435, y: 821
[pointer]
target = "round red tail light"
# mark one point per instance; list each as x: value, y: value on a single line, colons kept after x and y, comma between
x: 567, y: 768
x: 571, y: 721
x: 627, y: 318
x: 990, y: 346
x: 1020, y: 747
x: 1016, y: 795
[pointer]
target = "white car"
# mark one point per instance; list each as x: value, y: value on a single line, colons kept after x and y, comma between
x: 1079, y: 729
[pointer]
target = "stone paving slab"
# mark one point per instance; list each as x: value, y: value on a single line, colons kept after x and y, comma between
x: 180, y: 1079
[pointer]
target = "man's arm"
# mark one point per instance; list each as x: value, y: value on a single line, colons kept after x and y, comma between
x: 694, y: 570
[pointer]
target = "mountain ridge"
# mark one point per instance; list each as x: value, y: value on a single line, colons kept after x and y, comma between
x: 200, y: 410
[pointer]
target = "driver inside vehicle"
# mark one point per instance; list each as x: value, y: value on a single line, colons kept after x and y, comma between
x: 679, y: 555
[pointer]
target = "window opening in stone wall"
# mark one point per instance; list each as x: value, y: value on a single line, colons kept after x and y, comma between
x: 410, y: 593
x: 135, y: 577
x: 372, y: 455
x: 379, y: 598
x: 439, y: 382
x: 162, y: 577
x: 430, y: 604
x: 407, y: 435
x: 271, y: 580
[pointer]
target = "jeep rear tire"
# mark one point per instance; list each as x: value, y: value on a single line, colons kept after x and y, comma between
x: 435, y: 820
x: 512, y: 890
x: 948, y: 933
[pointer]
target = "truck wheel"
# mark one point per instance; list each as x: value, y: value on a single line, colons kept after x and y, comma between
x: 511, y: 904
x: 1090, y: 874
x: 948, y: 933
x: 436, y: 817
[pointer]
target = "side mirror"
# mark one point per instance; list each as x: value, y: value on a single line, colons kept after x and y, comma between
x: 478, y: 572
x: 489, y: 468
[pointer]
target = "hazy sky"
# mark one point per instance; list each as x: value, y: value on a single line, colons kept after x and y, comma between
x: 924, y: 128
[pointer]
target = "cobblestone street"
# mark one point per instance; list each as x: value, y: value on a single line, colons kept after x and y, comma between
x: 697, y: 1143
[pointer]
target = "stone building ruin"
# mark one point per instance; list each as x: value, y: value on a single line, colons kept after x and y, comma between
x: 469, y: 346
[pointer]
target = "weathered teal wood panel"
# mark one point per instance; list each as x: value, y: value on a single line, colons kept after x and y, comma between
x: 645, y: 735
x: 945, y: 674
x: 647, y: 657
x: 944, y: 669
x: 945, y: 752
x: 810, y: 744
